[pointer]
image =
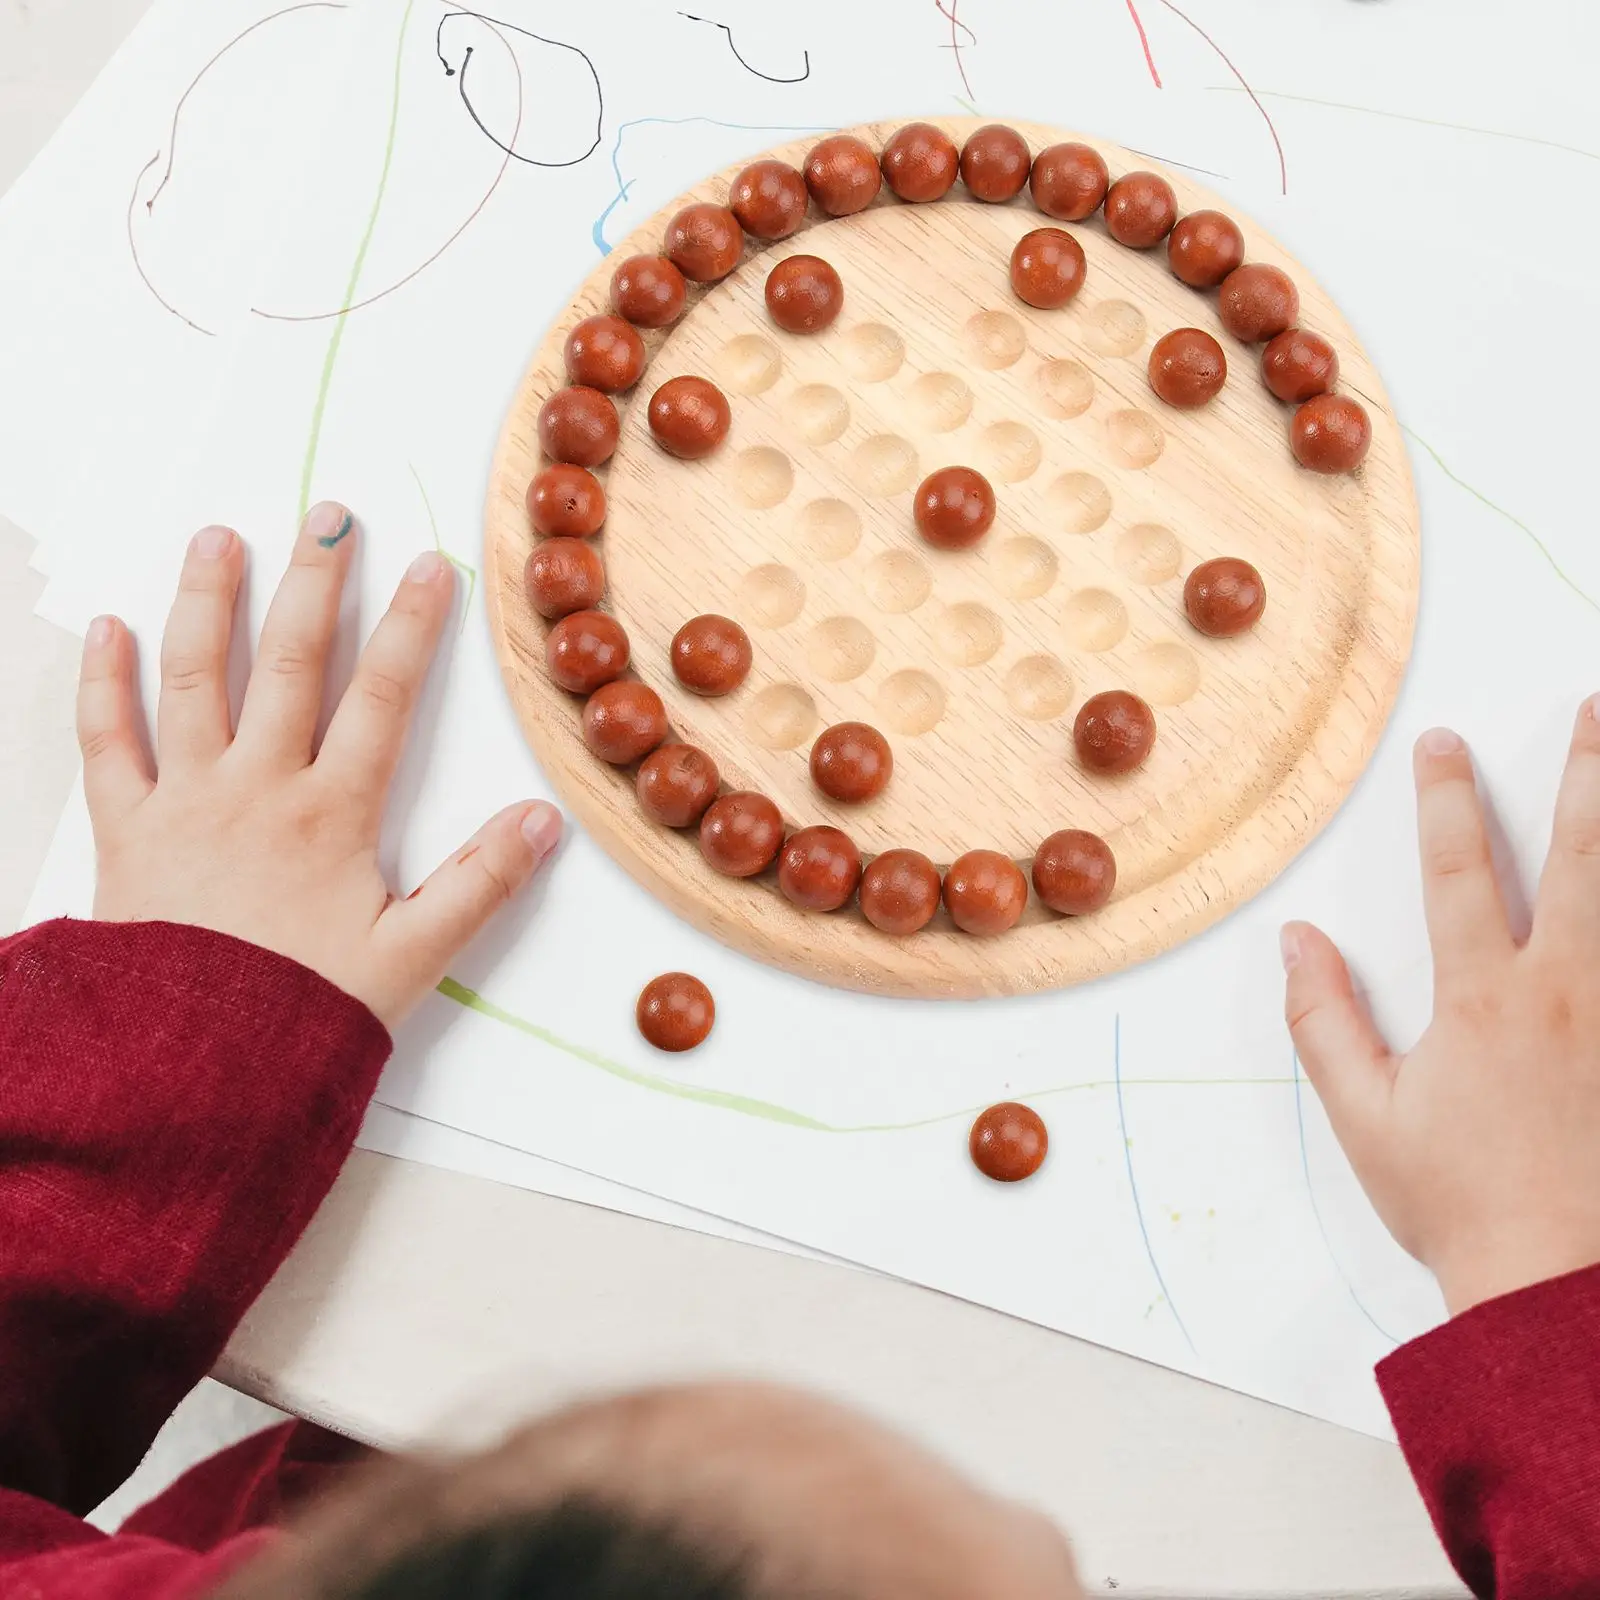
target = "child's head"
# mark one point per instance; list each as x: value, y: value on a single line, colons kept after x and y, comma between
x: 715, y: 1492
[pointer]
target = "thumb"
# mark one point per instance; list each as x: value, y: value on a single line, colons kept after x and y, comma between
x: 429, y: 927
x: 1349, y: 1064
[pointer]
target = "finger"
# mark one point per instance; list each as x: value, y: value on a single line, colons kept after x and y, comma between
x: 1345, y: 1057
x: 279, y: 717
x: 1569, y: 890
x: 363, y: 743
x: 431, y: 925
x: 1467, y: 924
x: 116, y: 775
x: 192, y: 723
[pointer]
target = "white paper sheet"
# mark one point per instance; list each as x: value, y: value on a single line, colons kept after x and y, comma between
x: 1194, y: 1209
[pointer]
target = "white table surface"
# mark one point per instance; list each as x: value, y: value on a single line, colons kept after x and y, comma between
x: 425, y: 1303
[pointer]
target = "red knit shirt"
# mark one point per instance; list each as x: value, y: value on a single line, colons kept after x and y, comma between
x: 175, y: 1104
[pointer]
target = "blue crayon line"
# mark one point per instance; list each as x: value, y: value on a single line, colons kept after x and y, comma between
x: 1311, y: 1195
x: 597, y: 232
x: 1138, y: 1209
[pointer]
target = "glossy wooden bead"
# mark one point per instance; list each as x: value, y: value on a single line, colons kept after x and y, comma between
x: 1224, y: 596
x: 1330, y: 433
x: 1298, y: 364
x: 1187, y: 368
x: 851, y: 762
x: 900, y: 892
x: 804, y: 294
x: 819, y: 868
x: 769, y: 199
x: 711, y: 655
x: 648, y: 291
x: 623, y: 721
x: 675, y: 784
x: 994, y: 163
x: 1008, y: 1142
x: 984, y: 892
x: 1114, y: 731
x: 1074, y: 872
x: 953, y: 508
x: 1203, y: 248
x: 705, y: 242
x: 562, y: 576
x: 1140, y: 210
x: 586, y: 649
x: 1257, y: 302
x: 741, y: 834
x: 604, y: 352
x: 920, y: 162
x: 566, y: 499
x: 690, y: 417
x: 1047, y: 268
x: 675, y: 1012
x: 842, y: 175
x: 1068, y: 181
x: 578, y: 425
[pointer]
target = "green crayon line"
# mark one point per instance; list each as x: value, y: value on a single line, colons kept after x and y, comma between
x: 766, y: 1110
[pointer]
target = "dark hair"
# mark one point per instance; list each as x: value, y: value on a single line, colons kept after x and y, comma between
x: 575, y: 1549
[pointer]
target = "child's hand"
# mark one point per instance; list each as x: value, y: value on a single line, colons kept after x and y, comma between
x: 251, y: 832
x: 1481, y: 1147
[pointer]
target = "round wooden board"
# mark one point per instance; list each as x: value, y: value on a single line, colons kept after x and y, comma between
x: 974, y: 663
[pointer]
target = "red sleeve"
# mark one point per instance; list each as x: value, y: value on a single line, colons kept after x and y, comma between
x: 1498, y: 1413
x: 174, y: 1104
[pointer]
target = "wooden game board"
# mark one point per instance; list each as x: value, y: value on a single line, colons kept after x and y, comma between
x: 973, y: 663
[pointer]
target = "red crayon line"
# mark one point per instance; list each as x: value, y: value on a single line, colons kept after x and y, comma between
x: 955, y: 43
x: 1222, y: 55
x: 1144, y: 40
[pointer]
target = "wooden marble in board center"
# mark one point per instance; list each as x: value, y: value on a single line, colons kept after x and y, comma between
x: 974, y: 663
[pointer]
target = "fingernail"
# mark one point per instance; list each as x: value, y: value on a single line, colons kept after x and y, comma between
x: 1591, y: 708
x: 100, y: 631
x: 429, y: 567
x: 328, y: 523
x: 1440, y: 742
x: 210, y: 544
x: 1289, y: 945
x: 541, y: 829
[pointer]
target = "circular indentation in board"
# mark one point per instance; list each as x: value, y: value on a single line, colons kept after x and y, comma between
x: 818, y: 412
x: 748, y: 364
x: 910, y: 701
x: 1148, y: 553
x: 772, y: 596
x: 1094, y: 619
x: 781, y: 716
x: 897, y: 581
x: 762, y: 476
x: 940, y: 401
x: 994, y: 339
x: 840, y: 648
x: 1115, y: 328
x: 1065, y: 388
x: 1038, y: 687
x: 1009, y: 451
x: 1079, y: 501
x: 1273, y: 727
x: 884, y: 464
x: 1134, y: 438
x: 1026, y: 567
x: 828, y: 529
x: 1166, y: 673
x: 968, y: 633
x: 872, y: 351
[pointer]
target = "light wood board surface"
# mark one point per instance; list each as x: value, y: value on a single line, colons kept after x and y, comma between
x: 974, y: 663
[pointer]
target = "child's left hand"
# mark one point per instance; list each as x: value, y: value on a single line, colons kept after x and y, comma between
x: 254, y: 833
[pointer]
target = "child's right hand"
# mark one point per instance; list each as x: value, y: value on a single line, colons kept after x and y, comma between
x: 1480, y: 1148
